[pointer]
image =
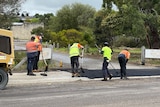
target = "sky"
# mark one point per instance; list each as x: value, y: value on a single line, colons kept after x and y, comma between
x: 52, y: 6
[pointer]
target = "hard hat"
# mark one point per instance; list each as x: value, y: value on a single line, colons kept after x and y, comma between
x: 105, y: 43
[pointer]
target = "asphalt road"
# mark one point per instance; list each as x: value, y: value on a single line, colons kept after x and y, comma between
x: 92, y: 67
x: 114, y: 93
x: 135, y: 92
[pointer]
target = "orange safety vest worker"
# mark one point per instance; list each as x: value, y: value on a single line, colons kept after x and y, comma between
x: 31, y: 46
x: 126, y: 53
x: 123, y: 58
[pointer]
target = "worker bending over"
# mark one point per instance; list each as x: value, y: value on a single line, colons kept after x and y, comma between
x: 123, y: 58
x: 74, y: 53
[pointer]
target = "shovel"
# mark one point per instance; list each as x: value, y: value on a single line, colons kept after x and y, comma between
x: 46, y: 68
x: 81, y: 67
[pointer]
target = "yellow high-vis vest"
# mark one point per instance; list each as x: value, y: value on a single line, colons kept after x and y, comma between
x: 107, y: 52
x: 74, y: 50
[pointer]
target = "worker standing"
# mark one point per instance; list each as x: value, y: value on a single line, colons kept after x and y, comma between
x: 31, y: 48
x: 38, y: 39
x: 107, y: 54
x: 74, y: 53
x: 123, y: 58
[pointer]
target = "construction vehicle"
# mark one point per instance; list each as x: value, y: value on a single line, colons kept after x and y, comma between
x: 6, y: 56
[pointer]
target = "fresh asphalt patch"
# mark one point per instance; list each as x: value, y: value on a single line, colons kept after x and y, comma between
x: 97, y: 73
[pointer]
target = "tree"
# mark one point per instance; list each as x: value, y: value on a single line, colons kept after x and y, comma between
x: 71, y: 23
x: 151, y: 12
x: 8, y: 9
x: 139, y: 18
x: 69, y: 36
x: 73, y: 16
x: 100, y: 37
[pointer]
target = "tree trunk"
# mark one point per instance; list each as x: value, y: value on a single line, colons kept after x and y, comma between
x: 155, y: 38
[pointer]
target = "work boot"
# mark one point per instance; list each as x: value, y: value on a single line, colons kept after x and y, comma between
x: 27, y: 72
x: 110, y: 76
x: 77, y: 74
x: 126, y: 78
x: 105, y: 79
x: 73, y: 74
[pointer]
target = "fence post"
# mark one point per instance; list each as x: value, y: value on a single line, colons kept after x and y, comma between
x: 57, y: 45
x: 143, y: 55
x: 69, y: 45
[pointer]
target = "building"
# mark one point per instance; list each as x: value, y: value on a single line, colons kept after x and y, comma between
x: 22, y: 31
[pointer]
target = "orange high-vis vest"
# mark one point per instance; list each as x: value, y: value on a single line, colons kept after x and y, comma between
x: 39, y: 47
x: 31, y: 46
x: 126, y: 53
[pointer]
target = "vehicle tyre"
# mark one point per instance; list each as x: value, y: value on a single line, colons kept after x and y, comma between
x: 3, y: 79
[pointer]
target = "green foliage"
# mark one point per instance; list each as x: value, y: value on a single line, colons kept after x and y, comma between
x: 48, y: 35
x: 72, y: 16
x: 88, y: 36
x: 69, y: 36
x: 126, y: 41
x: 37, y: 30
x: 71, y: 24
x: 65, y: 37
x: 135, y: 18
x: 19, y: 56
x: 8, y: 10
x: 45, y: 19
x: 34, y: 20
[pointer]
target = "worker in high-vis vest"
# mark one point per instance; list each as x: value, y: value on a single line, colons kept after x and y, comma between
x: 31, y: 48
x: 38, y: 39
x: 107, y: 54
x: 123, y: 58
x: 74, y: 53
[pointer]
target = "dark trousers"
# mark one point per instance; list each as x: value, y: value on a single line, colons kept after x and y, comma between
x: 74, y: 63
x: 30, y: 62
x: 105, y: 70
x: 35, y: 67
x: 122, y: 63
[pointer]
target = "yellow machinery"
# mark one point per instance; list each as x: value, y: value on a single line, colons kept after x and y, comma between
x: 6, y: 56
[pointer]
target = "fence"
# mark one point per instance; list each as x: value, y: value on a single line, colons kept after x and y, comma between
x: 149, y: 53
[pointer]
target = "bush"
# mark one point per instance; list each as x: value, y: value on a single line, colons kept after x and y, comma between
x: 126, y: 41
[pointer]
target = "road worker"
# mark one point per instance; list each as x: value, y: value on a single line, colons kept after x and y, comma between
x: 38, y: 39
x: 31, y: 48
x: 107, y: 54
x: 123, y: 58
x: 74, y: 53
